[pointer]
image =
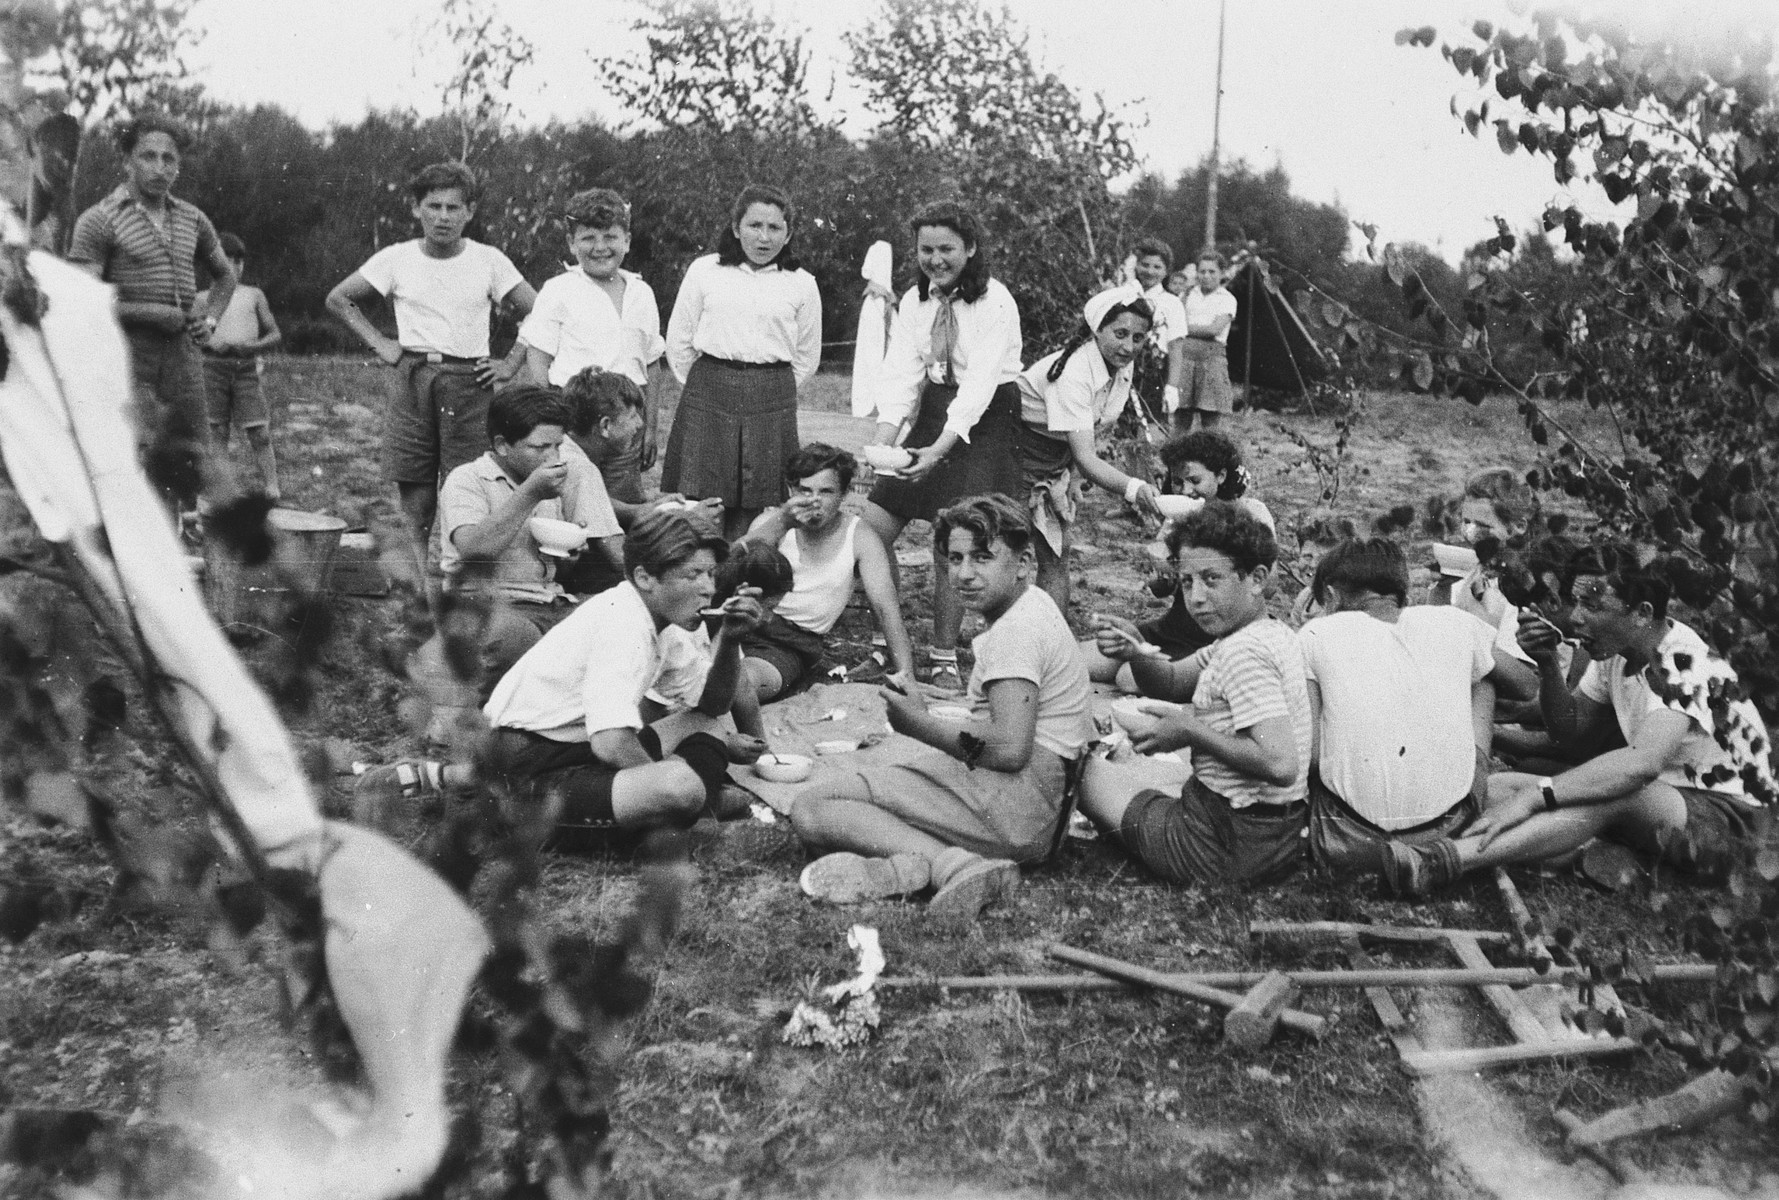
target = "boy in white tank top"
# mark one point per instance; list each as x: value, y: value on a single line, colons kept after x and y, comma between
x: 828, y: 549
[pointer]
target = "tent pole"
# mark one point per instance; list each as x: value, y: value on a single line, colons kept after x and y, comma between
x: 1216, y: 131
x: 1248, y: 344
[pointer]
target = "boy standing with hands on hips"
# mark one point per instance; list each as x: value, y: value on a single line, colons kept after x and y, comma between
x: 444, y: 288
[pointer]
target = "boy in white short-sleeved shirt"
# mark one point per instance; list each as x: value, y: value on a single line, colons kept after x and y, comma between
x: 444, y: 289
x: 1404, y: 704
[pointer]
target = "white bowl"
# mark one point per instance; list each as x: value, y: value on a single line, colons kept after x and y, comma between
x: 1133, y: 713
x: 1176, y: 507
x: 1455, y: 561
x: 887, y: 458
x: 558, y: 538
x: 783, y: 768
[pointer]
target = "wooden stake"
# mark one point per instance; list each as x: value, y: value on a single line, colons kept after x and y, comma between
x: 1615, y: 1164
x: 1411, y: 977
x: 1336, y: 930
x: 1305, y: 1023
x: 1252, y: 1023
x: 1706, y: 1098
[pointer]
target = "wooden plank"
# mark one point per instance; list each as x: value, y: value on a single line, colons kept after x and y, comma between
x: 1524, y: 1026
x: 1336, y: 930
x: 1480, y: 1058
x: 1384, y: 1005
x: 1534, y: 944
x: 1305, y: 1023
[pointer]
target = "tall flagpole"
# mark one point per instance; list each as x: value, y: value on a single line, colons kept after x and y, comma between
x: 1216, y: 130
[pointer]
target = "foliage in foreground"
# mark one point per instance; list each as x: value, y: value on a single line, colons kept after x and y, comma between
x: 1671, y: 325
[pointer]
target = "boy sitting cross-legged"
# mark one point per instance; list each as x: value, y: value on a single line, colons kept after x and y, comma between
x: 569, y: 719
x: 989, y: 797
x: 1240, y: 818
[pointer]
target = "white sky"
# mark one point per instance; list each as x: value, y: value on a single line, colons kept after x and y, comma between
x: 1317, y: 85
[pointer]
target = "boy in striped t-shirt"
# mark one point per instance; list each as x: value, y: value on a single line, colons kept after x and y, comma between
x: 1241, y: 817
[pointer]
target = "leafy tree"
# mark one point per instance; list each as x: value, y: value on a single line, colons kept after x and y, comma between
x: 489, y: 52
x: 966, y: 110
x: 715, y: 65
x: 1670, y: 324
x: 110, y: 54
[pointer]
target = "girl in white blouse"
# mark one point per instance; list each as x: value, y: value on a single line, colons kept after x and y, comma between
x: 1068, y: 396
x: 951, y: 366
x: 745, y: 334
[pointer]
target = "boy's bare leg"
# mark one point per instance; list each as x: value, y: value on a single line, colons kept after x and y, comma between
x: 420, y: 504
x: 1647, y: 813
x: 260, y: 439
x: 1108, y: 787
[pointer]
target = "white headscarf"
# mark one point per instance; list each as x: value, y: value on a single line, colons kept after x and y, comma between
x: 1101, y: 303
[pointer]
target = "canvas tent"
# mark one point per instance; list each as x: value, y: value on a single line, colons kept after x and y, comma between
x: 1268, y: 344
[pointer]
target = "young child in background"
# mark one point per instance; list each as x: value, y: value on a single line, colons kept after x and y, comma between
x: 1317, y: 534
x: 1240, y: 818
x: 761, y: 567
x: 232, y: 368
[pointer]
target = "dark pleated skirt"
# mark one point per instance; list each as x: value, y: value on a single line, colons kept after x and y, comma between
x: 735, y: 429
x: 988, y: 462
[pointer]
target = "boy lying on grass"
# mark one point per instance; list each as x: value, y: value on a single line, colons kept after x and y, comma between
x: 1241, y: 817
x: 571, y: 719
x: 962, y: 818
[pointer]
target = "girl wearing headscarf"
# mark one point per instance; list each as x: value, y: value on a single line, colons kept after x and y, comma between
x: 953, y: 361
x: 745, y: 334
x: 1067, y: 397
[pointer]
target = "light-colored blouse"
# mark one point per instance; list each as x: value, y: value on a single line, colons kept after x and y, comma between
x: 746, y: 314
x: 986, y: 356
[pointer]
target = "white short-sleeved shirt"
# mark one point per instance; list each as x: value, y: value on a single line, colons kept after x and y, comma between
x: 1245, y: 678
x: 1397, y: 740
x: 575, y: 322
x: 442, y: 304
x: 987, y: 354
x: 1031, y: 641
x: 1170, y: 316
x: 1685, y: 665
x: 1085, y: 396
x: 1202, y: 307
x: 591, y: 672
x: 746, y: 314
x: 522, y: 572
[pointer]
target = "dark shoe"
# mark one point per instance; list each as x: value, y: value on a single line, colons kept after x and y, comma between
x: 1610, y: 865
x: 1413, y: 871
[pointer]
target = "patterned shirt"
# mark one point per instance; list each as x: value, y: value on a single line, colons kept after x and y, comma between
x: 1245, y: 678
x: 144, y: 263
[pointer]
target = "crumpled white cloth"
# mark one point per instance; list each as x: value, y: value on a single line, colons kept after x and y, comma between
x: 67, y: 436
x: 873, y: 336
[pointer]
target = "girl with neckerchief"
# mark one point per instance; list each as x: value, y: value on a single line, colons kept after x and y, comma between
x: 952, y: 365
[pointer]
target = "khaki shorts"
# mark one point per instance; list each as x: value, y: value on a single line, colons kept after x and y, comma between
x: 998, y: 814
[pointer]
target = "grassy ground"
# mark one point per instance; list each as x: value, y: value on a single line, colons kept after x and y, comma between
x: 1090, y: 1095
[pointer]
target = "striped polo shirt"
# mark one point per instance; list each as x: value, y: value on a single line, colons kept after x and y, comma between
x: 134, y: 255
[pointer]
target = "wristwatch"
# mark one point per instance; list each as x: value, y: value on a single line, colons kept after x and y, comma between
x: 1548, y: 790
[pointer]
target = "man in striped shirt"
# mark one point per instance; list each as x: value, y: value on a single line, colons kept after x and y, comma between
x: 146, y: 243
